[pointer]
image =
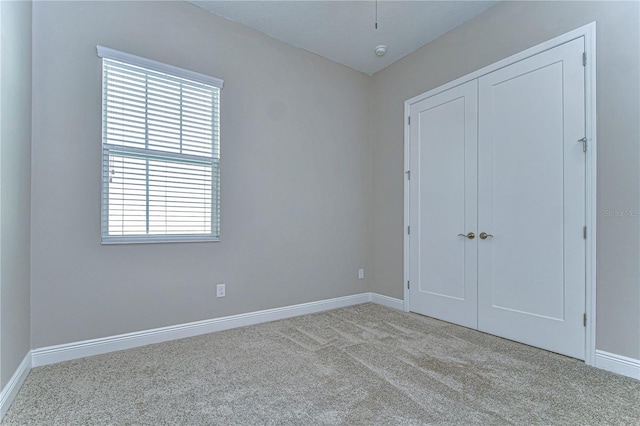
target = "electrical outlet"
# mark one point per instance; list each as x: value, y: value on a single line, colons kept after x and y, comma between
x: 220, y: 288
x: 360, y: 274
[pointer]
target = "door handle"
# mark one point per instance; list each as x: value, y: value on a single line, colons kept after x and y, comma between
x: 484, y: 235
x: 470, y: 235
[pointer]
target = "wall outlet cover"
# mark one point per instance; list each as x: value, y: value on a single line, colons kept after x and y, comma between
x: 220, y: 290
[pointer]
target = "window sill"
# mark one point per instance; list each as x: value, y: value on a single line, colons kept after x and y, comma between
x: 159, y: 239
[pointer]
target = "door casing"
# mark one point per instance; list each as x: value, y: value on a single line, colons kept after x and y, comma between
x: 589, y: 33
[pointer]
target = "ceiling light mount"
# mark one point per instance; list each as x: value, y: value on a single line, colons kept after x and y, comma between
x: 381, y: 49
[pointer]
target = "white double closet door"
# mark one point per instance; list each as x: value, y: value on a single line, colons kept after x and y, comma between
x: 499, y: 155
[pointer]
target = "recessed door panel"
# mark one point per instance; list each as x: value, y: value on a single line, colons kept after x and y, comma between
x: 528, y: 173
x: 442, y: 189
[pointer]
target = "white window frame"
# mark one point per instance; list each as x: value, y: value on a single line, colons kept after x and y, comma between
x: 107, y: 53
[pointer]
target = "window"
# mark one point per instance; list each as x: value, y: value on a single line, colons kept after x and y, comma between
x: 160, y: 152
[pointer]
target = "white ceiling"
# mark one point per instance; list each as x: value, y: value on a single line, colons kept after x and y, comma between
x: 344, y: 31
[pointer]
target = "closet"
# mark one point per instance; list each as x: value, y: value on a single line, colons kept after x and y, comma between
x: 496, y: 201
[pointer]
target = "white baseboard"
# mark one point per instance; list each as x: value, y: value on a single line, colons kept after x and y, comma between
x: 9, y: 392
x: 618, y: 364
x: 75, y: 350
x: 389, y: 302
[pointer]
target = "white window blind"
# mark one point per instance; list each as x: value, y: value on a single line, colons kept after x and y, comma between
x: 160, y: 152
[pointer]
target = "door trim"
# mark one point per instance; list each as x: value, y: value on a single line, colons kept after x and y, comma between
x: 589, y: 33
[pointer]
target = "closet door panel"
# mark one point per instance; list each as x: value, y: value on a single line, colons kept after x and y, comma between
x: 443, y: 205
x: 531, y: 271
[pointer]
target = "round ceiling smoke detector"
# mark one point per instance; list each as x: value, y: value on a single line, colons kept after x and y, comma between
x: 381, y: 50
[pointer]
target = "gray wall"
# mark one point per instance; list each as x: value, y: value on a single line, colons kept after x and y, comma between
x: 296, y: 176
x: 502, y: 31
x: 312, y: 172
x: 15, y: 171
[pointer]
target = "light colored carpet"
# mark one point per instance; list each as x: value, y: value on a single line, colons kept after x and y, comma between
x: 365, y: 364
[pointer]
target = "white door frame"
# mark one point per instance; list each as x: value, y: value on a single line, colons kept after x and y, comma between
x: 589, y: 33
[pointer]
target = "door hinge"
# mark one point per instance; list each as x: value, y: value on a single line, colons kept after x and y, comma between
x: 409, y: 120
x: 584, y: 59
x: 408, y: 284
x: 408, y: 230
x: 408, y: 172
x: 584, y: 320
x: 584, y: 232
x: 583, y: 141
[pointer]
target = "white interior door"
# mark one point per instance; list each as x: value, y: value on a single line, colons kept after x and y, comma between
x: 531, y: 272
x: 443, y: 152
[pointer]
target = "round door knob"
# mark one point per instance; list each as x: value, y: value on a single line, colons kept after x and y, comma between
x: 470, y: 235
x: 484, y: 235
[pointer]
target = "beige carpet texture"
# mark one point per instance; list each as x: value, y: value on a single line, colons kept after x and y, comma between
x: 361, y: 365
